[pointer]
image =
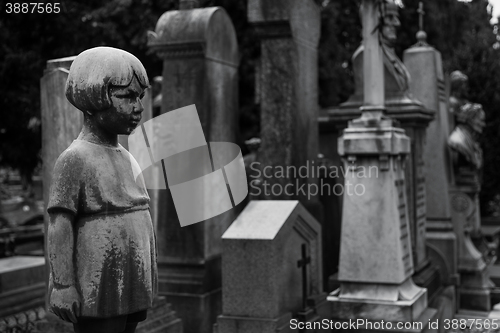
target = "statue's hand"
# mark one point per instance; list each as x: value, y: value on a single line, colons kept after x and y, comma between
x: 65, y: 303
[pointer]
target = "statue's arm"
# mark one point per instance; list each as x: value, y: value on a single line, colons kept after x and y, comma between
x: 64, y: 299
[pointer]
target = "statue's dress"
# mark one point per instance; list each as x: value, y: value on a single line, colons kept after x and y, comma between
x: 115, y: 253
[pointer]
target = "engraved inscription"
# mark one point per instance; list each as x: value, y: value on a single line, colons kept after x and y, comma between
x: 404, y: 238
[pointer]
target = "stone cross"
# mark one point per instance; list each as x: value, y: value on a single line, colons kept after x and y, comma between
x: 302, y: 263
x: 421, y: 15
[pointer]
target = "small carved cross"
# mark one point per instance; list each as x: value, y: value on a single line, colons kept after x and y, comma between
x: 302, y: 263
x: 421, y: 14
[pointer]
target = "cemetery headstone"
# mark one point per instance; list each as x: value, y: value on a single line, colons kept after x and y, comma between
x: 375, y: 272
x: 271, y: 269
x: 199, y: 50
x: 287, y: 81
x: 412, y: 116
x: 428, y: 85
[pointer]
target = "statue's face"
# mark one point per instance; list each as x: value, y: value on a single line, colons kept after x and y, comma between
x: 391, y: 24
x: 126, y: 111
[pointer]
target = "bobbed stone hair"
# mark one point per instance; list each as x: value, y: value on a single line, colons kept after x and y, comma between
x: 95, y: 70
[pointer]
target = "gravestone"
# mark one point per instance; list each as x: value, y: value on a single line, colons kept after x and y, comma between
x: 271, y: 269
x: 62, y: 118
x: 414, y: 118
x: 287, y: 81
x: 200, y: 66
x: 428, y: 85
x: 376, y: 263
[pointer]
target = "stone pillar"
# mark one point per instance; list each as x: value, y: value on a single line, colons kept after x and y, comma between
x: 428, y: 85
x: 287, y: 81
x: 200, y: 66
x: 376, y: 264
x: 61, y: 123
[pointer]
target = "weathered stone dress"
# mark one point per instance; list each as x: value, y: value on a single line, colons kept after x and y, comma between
x: 115, y: 251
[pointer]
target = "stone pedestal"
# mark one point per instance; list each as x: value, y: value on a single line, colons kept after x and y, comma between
x: 287, y: 92
x: 475, y: 284
x: 414, y: 118
x: 375, y: 270
x: 200, y: 66
x: 265, y: 284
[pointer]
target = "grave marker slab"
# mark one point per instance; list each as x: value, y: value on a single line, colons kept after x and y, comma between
x: 287, y: 81
x: 425, y: 66
x: 199, y: 50
x: 262, y: 283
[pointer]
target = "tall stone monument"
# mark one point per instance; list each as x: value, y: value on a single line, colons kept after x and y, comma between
x: 376, y: 264
x: 287, y: 81
x: 428, y: 85
x: 413, y: 117
x: 200, y: 66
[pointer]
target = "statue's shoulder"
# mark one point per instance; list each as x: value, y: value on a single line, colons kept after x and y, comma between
x: 74, y: 156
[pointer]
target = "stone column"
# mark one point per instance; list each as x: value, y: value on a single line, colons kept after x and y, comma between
x: 61, y: 123
x: 200, y: 66
x: 287, y: 81
x: 376, y: 264
x: 428, y: 85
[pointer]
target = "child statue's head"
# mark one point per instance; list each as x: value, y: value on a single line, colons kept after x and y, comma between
x: 95, y: 71
x: 105, y: 78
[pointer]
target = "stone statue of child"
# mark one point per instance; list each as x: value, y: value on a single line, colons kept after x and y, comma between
x: 101, y: 241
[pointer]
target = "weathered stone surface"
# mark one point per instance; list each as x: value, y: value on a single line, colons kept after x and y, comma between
x: 22, y: 293
x: 432, y: 214
x: 287, y: 90
x: 427, y: 84
x: 376, y: 261
x: 200, y: 59
x: 262, y: 283
x: 68, y: 121
x: 22, y: 284
x: 61, y: 121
